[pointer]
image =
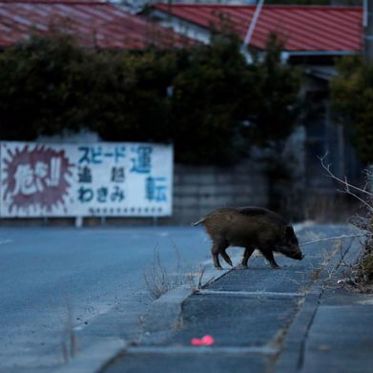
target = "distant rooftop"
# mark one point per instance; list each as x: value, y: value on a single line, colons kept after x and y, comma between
x: 302, y: 28
x: 94, y: 23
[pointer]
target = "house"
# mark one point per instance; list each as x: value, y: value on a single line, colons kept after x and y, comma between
x: 94, y: 23
x: 305, y: 30
x: 313, y: 37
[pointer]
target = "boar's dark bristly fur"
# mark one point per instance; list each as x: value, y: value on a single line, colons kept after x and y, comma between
x: 251, y: 228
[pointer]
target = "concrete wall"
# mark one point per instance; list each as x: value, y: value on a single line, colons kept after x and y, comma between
x: 198, y: 190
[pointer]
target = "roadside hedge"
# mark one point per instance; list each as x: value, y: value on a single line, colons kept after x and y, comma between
x: 205, y: 99
x: 352, y: 98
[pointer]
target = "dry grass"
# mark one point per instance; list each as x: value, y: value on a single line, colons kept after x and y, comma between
x: 69, y: 344
x: 361, y: 274
x: 363, y: 271
x: 367, y: 267
x: 159, y: 279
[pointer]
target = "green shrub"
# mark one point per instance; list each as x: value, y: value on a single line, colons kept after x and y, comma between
x: 206, y: 100
x: 352, y: 95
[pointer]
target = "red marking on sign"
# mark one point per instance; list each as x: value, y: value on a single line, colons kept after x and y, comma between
x: 36, y: 178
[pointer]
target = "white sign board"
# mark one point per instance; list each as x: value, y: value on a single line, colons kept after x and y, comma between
x: 98, y: 179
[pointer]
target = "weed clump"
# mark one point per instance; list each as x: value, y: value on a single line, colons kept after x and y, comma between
x: 159, y: 279
x: 363, y: 271
x: 366, y: 264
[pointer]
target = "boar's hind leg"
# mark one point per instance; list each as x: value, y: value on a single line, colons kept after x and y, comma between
x: 246, y: 255
x: 215, y: 256
x: 219, y: 248
x: 268, y: 254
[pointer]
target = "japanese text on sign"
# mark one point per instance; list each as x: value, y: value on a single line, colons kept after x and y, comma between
x: 119, y: 179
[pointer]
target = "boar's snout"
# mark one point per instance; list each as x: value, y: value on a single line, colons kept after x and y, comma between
x: 298, y: 255
x: 292, y: 252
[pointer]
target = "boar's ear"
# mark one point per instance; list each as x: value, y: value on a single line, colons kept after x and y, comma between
x: 289, y: 233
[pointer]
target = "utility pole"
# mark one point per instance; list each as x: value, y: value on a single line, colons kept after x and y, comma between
x: 252, y: 24
x: 368, y: 29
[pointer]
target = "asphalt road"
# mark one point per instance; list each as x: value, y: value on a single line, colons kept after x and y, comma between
x: 90, y: 279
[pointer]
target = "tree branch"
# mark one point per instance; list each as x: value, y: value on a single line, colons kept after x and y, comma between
x: 343, y: 237
x: 348, y: 188
x: 347, y: 185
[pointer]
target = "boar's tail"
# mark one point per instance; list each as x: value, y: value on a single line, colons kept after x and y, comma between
x: 198, y: 222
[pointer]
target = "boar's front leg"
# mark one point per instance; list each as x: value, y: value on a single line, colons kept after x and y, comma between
x: 246, y: 255
x: 268, y: 254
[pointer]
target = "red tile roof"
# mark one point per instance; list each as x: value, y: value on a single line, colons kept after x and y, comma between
x: 302, y: 28
x: 94, y: 23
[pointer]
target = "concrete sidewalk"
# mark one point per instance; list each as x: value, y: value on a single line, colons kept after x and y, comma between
x: 340, y: 339
x: 297, y: 319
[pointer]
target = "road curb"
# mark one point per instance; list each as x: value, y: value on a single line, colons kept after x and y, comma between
x: 163, y: 315
x: 94, y: 358
x: 164, y: 312
x: 160, y: 320
x: 291, y: 358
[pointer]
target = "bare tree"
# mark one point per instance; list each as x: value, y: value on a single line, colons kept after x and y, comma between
x: 363, y: 220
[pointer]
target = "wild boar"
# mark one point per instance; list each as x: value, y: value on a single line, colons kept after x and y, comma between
x: 251, y: 228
